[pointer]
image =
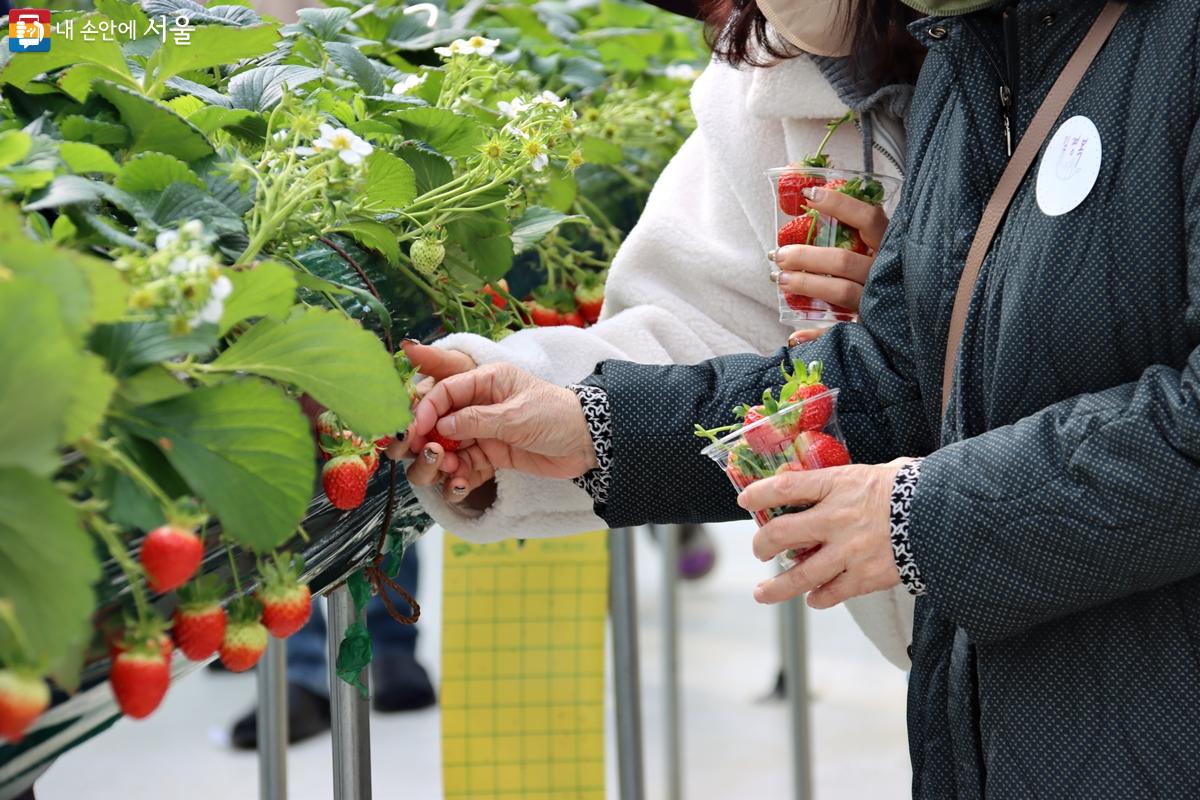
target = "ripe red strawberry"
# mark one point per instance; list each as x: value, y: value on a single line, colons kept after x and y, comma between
x: 835, y: 185
x: 573, y: 318
x: 819, y: 450
x: 384, y: 442
x: 244, y: 644
x: 801, y: 230
x: 814, y: 413
x: 170, y: 555
x: 285, y: 607
x: 119, y: 645
x: 23, y: 698
x: 791, y: 191
x: 139, y: 678
x: 199, y: 628
x: 589, y: 300
x: 543, y: 316
x: 799, y: 302
x: 769, y: 436
x: 449, y: 445
x: 850, y: 239
x: 498, y: 300
x: 345, y: 481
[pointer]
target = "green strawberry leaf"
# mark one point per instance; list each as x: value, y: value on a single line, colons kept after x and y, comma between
x: 354, y: 654
x: 390, y: 183
x: 535, y: 223
x: 330, y: 357
x: 449, y: 133
x: 211, y: 46
x: 37, y: 374
x: 267, y: 290
x: 244, y: 448
x: 151, y: 173
x: 47, y: 567
x: 82, y: 157
x: 153, y: 126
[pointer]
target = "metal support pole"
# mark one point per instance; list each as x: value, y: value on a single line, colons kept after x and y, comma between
x: 670, y: 541
x: 795, y: 668
x: 349, y: 710
x: 273, y: 721
x: 623, y: 608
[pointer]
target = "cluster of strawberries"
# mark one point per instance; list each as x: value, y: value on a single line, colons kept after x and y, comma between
x: 579, y: 309
x: 141, y: 652
x: 807, y: 225
x: 782, y: 434
x: 350, y: 461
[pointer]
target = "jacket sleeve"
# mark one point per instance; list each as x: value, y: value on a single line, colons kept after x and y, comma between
x: 659, y: 474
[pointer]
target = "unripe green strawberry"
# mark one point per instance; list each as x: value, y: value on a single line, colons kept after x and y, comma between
x: 427, y: 255
x: 244, y: 645
x: 23, y: 697
x: 139, y: 679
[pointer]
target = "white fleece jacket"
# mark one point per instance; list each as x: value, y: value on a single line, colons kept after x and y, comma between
x: 689, y: 283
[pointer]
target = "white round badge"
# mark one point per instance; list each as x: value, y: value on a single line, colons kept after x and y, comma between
x: 1069, y: 167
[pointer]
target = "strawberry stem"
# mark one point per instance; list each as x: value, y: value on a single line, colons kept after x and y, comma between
x: 833, y: 125
x: 237, y: 581
x: 106, y: 452
x: 132, y: 570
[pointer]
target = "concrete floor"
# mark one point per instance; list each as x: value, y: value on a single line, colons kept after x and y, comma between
x: 735, y: 743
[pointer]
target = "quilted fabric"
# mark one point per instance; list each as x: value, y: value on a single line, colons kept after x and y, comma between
x: 1056, y: 522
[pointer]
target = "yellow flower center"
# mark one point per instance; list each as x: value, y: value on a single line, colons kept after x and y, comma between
x: 340, y: 141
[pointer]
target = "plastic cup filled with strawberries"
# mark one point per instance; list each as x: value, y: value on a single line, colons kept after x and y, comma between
x: 793, y: 430
x: 797, y: 223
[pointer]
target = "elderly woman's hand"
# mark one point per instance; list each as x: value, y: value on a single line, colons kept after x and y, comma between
x: 845, y: 534
x: 832, y: 274
x: 504, y: 418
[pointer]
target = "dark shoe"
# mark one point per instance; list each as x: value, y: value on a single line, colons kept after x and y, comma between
x: 399, y: 683
x: 308, y: 716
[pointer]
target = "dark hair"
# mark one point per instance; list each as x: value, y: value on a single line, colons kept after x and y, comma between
x: 881, y: 49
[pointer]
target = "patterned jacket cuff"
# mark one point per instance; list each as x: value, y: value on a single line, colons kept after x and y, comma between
x: 902, y: 494
x: 598, y: 414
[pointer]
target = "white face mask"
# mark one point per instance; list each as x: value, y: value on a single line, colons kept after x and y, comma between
x: 815, y: 26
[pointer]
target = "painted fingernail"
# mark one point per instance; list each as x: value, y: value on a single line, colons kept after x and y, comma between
x: 771, y: 254
x: 775, y: 276
x: 430, y: 454
x: 785, y: 280
x: 814, y: 193
x: 458, y: 491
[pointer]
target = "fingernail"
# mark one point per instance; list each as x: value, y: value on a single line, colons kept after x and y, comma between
x: 785, y: 280
x: 458, y: 491
x: 775, y: 276
x: 771, y: 255
x: 814, y: 193
x: 430, y: 454
x: 448, y: 426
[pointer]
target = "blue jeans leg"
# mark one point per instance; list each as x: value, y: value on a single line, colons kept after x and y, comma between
x: 306, y: 655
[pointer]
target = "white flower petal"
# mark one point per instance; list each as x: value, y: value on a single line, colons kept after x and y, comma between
x: 221, y: 288
x: 305, y: 151
x: 362, y: 147
x: 165, y: 240
x: 350, y: 157
x: 539, y: 162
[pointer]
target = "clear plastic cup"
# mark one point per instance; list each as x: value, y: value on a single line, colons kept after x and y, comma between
x: 787, y: 184
x: 800, y: 436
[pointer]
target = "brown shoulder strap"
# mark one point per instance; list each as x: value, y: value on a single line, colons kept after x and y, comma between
x: 1026, y: 152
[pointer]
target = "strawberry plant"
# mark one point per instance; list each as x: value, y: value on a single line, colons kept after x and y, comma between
x: 205, y: 244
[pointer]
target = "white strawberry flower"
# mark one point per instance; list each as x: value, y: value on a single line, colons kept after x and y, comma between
x: 221, y: 288
x: 482, y: 46
x: 410, y: 83
x: 539, y: 162
x: 549, y: 98
x: 459, y: 47
x: 681, y: 72
x: 513, y: 108
x: 349, y: 146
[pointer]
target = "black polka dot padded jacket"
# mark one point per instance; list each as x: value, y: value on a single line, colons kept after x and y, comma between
x: 1056, y: 521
